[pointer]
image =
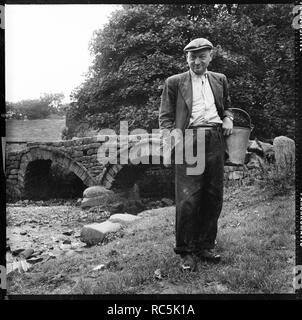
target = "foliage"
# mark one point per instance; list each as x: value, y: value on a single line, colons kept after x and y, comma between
x: 143, y: 44
x: 49, y: 103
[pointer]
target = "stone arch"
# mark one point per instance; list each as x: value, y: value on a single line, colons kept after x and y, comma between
x: 150, y: 149
x: 57, y: 157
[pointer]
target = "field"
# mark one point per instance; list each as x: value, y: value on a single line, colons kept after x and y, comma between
x: 256, y: 240
x: 40, y: 130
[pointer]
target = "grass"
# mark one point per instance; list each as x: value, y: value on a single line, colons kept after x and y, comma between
x: 41, y: 130
x: 256, y: 240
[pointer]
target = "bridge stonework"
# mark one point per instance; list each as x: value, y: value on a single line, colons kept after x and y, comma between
x: 81, y: 157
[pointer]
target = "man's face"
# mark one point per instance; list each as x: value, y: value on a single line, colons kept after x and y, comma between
x: 199, y: 60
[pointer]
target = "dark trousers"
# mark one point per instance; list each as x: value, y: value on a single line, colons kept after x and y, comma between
x: 199, y: 197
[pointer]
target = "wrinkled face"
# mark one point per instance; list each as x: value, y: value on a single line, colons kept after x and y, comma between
x: 199, y: 60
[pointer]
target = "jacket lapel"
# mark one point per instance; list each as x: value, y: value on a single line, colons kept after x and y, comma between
x: 216, y: 88
x: 185, y: 86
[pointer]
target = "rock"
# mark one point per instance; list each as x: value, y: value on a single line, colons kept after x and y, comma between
x: 35, y: 260
x: 255, y: 161
x: 79, y: 250
x: 123, y: 218
x: 255, y: 147
x: 284, y: 148
x: 49, y: 256
x: 266, y: 147
x: 99, y: 267
x: 23, y: 233
x: 94, y: 233
x: 27, y: 253
x: 68, y: 233
x: 37, y: 253
x: 158, y: 274
x: 67, y: 241
x: 17, y: 251
x: 96, y: 191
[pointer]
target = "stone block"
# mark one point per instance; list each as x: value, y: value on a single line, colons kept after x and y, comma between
x: 123, y: 218
x: 94, y: 233
x: 96, y: 191
x: 284, y: 148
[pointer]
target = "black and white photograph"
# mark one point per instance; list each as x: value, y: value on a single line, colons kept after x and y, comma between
x: 151, y: 150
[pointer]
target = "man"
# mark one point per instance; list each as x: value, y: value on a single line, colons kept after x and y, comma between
x: 199, y: 100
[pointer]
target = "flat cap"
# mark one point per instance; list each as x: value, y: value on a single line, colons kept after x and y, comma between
x: 198, y: 44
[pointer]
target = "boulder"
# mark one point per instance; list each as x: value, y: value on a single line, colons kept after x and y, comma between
x: 123, y: 218
x: 255, y: 146
x: 96, y: 191
x: 94, y: 233
x: 284, y: 148
x: 262, y: 149
x: 266, y: 147
x: 27, y: 253
x: 255, y: 161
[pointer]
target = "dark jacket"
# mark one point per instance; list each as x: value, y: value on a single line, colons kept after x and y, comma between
x: 176, y: 100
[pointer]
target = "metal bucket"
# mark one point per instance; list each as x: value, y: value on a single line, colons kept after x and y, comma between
x: 237, y: 143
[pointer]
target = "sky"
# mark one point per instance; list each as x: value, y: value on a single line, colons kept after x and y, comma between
x: 46, y: 47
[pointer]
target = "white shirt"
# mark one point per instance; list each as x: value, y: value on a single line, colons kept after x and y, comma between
x: 203, y: 103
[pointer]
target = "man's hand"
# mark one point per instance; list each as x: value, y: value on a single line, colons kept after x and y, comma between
x: 227, y: 126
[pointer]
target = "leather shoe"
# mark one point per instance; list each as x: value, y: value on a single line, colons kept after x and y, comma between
x: 187, y: 263
x: 208, y: 255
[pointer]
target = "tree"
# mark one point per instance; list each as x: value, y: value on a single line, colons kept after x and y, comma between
x: 36, y: 108
x: 54, y: 101
x: 143, y: 44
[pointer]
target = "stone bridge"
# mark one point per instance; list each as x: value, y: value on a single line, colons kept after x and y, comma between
x: 30, y: 166
x: 80, y: 156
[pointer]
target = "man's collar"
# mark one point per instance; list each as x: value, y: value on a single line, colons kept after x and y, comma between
x: 198, y: 76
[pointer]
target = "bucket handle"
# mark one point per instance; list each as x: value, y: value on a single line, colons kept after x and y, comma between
x: 241, y: 110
